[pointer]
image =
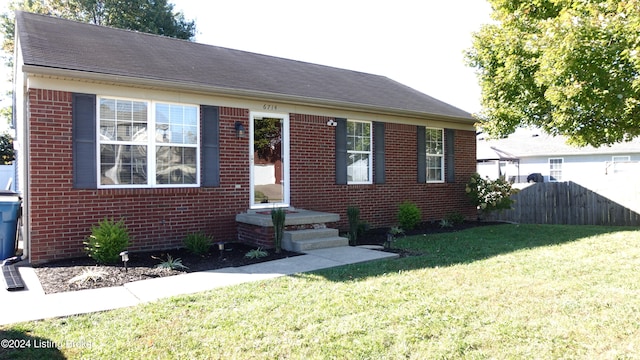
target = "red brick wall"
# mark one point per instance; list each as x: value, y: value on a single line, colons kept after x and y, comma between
x: 61, y: 216
x: 313, y: 156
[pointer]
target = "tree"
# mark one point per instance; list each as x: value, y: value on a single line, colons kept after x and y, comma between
x: 149, y: 16
x: 571, y: 67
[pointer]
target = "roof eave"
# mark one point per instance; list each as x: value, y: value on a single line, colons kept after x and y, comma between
x: 239, y: 93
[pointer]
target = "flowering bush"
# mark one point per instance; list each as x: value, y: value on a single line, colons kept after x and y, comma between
x: 7, y: 154
x: 489, y: 195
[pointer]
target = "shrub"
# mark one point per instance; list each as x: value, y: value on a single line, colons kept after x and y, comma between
x: 409, y: 215
x: 363, y: 227
x: 353, y: 214
x: 490, y: 195
x: 393, y: 232
x: 278, y: 217
x: 454, y: 218
x: 444, y: 223
x: 396, y: 231
x: 256, y: 253
x: 171, y: 263
x: 107, y: 240
x: 7, y: 153
x: 198, y: 243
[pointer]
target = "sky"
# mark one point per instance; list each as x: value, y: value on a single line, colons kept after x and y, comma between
x: 419, y: 43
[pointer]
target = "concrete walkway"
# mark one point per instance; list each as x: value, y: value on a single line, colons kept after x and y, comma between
x: 34, y: 304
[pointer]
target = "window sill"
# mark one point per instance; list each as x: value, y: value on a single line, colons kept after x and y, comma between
x: 146, y: 191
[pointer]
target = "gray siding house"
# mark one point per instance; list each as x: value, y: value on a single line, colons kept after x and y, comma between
x: 531, y: 151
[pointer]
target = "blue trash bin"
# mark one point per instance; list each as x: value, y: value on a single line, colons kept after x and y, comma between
x: 10, y: 203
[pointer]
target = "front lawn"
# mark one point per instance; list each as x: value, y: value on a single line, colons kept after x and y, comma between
x: 506, y: 291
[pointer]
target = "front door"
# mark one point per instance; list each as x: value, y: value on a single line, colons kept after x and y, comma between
x: 269, y: 160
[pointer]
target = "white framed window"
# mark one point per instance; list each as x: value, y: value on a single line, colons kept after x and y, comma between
x: 359, y: 154
x: 620, y: 163
x: 555, y: 169
x: 434, y: 141
x: 147, y: 144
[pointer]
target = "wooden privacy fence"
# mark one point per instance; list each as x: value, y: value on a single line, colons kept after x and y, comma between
x: 565, y: 203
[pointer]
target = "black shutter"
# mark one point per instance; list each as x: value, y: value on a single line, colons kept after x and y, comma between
x: 422, y: 154
x: 449, y: 135
x: 83, y: 114
x: 341, y: 152
x: 210, y: 147
x: 378, y: 155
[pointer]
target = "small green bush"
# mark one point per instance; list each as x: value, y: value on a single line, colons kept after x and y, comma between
x: 455, y: 218
x: 197, y: 243
x: 363, y: 227
x: 396, y: 231
x: 278, y: 217
x: 353, y: 214
x: 409, y: 215
x: 107, y: 240
x: 256, y: 254
x: 171, y: 263
x: 444, y: 223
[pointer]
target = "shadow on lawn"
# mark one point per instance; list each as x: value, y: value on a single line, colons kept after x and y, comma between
x: 19, y: 345
x: 467, y: 246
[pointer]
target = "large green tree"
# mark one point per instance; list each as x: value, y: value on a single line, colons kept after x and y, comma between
x: 571, y: 67
x: 149, y: 16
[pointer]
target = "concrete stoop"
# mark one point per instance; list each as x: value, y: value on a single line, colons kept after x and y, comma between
x: 312, y: 239
x: 308, y: 229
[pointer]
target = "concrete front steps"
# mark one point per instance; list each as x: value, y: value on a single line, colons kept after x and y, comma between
x: 312, y: 239
x: 304, y: 229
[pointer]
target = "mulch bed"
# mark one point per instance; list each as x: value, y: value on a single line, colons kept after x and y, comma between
x: 379, y: 236
x: 55, y: 276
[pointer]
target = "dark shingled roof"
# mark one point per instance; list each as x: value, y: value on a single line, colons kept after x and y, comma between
x: 54, y: 43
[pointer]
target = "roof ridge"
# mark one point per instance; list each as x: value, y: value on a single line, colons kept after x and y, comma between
x: 75, y: 47
x: 59, y: 18
x: 164, y: 37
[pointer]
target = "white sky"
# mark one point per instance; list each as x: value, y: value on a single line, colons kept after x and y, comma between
x: 419, y: 43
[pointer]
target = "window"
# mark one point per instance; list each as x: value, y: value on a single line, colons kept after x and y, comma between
x: 620, y: 164
x: 359, y: 152
x: 555, y: 169
x: 144, y: 144
x: 435, y: 154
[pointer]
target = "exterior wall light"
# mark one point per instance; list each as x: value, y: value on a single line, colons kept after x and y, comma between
x: 239, y: 130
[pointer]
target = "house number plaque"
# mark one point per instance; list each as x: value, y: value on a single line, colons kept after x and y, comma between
x: 269, y: 107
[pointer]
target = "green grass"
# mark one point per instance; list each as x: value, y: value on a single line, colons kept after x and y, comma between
x: 507, y: 291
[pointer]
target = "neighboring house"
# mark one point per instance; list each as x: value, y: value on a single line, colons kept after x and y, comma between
x: 178, y: 137
x: 531, y: 151
x: 7, y: 177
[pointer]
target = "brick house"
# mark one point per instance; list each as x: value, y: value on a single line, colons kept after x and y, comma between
x: 178, y: 137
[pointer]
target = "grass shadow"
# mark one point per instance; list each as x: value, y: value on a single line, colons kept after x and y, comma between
x: 20, y: 345
x: 467, y: 246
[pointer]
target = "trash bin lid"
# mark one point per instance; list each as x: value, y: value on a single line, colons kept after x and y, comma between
x: 9, y: 196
